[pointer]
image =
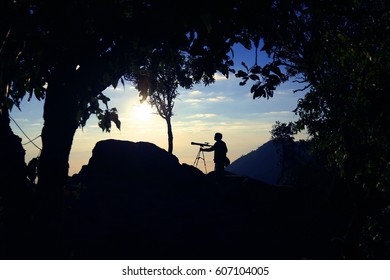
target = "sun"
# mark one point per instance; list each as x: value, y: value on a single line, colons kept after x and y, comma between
x: 142, y: 112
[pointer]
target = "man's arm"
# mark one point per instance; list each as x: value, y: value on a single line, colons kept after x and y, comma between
x: 207, y: 149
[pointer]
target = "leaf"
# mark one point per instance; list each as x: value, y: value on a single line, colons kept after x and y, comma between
x: 104, y: 99
x: 256, y: 69
x: 115, y: 119
x: 273, y: 80
x: 241, y: 74
x: 278, y: 72
x: 258, y: 91
x: 254, y: 77
x: 265, y: 71
x: 118, y: 124
x: 105, y: 121
x: 115, y: 83
x: 243, y: 82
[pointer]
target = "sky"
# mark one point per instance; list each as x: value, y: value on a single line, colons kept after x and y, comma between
x: 199, y: 113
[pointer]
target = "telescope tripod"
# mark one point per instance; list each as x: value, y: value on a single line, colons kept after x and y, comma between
x: 200, y: 155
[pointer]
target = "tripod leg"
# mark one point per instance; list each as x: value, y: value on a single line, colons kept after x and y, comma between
x: 200, y: 155
x: 204, y: 162
x: 197, y: 159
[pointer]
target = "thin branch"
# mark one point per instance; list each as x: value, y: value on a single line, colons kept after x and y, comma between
x: 302, y: 89
x: 30, y: 141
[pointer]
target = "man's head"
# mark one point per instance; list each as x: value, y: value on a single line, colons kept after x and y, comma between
x: 217, y: 136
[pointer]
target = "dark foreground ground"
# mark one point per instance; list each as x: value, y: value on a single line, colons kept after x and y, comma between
x: 135, y: 201
x: 148, y: 206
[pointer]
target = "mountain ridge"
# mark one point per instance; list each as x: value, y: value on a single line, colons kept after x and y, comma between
x: 261, y: 164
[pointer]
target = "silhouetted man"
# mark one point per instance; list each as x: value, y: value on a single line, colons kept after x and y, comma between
x: 220, y: 150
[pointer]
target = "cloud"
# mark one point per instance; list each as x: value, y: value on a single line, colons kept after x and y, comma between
x: 208, y: 99
x: 93, y: 126
x: 284, y: 92
x: 200, y: 116
x: 217, y: 99
x: 278, y: 113
x: 195, y: 92
x: 21, y: 120
x: 194, y: 100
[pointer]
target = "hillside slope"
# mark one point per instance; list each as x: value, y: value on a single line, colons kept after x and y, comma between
x: 261, y: 164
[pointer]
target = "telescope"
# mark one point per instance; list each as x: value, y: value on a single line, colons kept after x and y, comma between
x: 200, y: 154
x: 205, y: 144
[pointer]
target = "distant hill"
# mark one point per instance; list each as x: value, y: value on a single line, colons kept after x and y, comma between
x: 261, y: 164
x: 290, y: 164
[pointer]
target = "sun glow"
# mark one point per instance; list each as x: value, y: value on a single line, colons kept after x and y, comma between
x: 142, y: 112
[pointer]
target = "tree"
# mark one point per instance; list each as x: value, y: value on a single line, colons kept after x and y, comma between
x: 163, y: 100
x: 340, y: 52
x: 345, y: 112
x: 282, y: 135
x: 343, y: 60
x: 283, y: 132
x: 164, y: 76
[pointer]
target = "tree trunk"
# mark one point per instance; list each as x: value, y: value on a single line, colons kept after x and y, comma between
x: 61, y: 110
x: 60, y: 124
x: 67, y: 88
x: 170, y: 135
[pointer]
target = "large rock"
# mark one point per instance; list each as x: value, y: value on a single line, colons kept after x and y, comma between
x: 127, y: 160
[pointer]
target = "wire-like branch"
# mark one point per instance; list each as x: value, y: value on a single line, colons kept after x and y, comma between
x: 30, y: 141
